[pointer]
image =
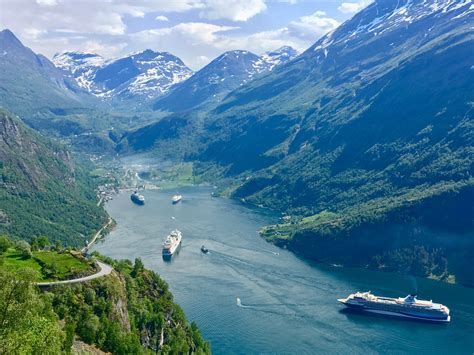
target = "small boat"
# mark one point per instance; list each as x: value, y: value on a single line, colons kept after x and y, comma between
x: 176, y: 199
x: 138, y: 198
x: 204, y: 249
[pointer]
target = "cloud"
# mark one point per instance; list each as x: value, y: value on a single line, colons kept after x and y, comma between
x: 33, y: 33
x: 235, y: 10
x: 161, y: 18
x: 313, y: 26
x: 353, y: 7
x: 196, y: 43
x: 47, y: 2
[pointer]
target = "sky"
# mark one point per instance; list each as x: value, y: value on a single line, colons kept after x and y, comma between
x: 197, y: 31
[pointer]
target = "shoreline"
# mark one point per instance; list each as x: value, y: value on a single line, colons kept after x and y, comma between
x: 280, y: 245
x: 97, y: 235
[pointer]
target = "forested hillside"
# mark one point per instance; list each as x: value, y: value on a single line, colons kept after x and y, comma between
x: 43, y: 191
x: 130, y: 311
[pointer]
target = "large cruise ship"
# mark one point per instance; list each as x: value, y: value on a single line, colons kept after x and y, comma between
x: 138, y: 198
x: 172, y: 242
x: 408, y: 307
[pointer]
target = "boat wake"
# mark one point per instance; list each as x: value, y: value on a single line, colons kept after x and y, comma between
x: 239, y: 303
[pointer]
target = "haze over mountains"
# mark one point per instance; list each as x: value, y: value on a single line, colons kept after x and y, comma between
x: 368, y: 130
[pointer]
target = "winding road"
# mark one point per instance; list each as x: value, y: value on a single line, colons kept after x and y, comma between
x: 94, y: 239
x: 105, y: 269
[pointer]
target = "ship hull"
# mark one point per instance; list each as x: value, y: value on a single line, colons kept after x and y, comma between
x: 170, y: 252
x: 137, y: 201
x: 420, y: 317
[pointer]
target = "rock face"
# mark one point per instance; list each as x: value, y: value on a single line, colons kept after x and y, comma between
x: 224, y: 74
x: 144, y: 75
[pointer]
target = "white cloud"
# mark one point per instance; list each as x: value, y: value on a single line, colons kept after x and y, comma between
x: 107, y: 50
x: 196, y: 43
x: 353, y: 7
x: 235, y: 10
x: 47, y: 2
x: 161, y: 18
x: 313, y: 26
x: 33, y: 33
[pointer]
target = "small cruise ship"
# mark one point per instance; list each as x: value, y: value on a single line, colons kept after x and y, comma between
x: 407, y: 307
x: 138, y: 198
x: 172, y: 242
x: 176, y: 199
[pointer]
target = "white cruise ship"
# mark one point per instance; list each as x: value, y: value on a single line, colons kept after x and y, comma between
x: 172, y: 242
x: 407, y: 307
x: 176, y: 199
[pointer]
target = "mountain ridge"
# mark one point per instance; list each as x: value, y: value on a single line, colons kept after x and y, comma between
x: 221, y: 76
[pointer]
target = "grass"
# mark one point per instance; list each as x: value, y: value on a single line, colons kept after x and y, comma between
x: 99, y: 172
x: 13, y: 261
x: 66, y: 264
x: 49, y: 265
x: 284, y: 231
x: 176, y: 176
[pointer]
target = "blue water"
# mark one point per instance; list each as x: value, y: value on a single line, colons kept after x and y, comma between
x: 286, y: 304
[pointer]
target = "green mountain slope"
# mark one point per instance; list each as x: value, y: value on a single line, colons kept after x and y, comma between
x: 130, y: 311
x: 42, y: 191
x: 359, y: 139
x: 30, y: 81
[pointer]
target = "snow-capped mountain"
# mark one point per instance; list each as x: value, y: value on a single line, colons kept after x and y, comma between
x: 279, y: 56
x: 145, y: 75
x: 82, y: 66
x: 224, y: 74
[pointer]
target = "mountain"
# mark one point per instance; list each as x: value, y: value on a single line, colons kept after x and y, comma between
x: 82, y: 66
x: 43, y: 192
x: 30, y: 82
x: 279, y: 56
x: 224, y: 74
x: 145, y: 75
x: 364, y: 140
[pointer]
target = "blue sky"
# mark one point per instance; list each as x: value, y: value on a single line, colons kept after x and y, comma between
x: 195, y: 30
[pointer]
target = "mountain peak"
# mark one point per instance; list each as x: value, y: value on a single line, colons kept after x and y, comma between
x: 284, y: 49
x: 8, y: 39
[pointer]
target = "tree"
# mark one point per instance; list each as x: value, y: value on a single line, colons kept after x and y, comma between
x: 5, y: 243
x: 137, y: 267
x: 24, y: 248
x: 43, y: 241
x: 27, y: 323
